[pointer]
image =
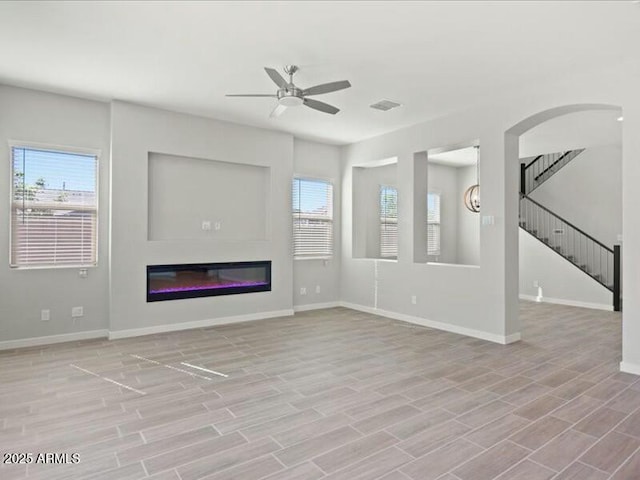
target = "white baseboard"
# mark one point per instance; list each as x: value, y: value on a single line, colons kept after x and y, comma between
x: 51, y: 339
x: 315, y: 306
x: 173, y: 327
x: 571, y: 303
x: 628, y: 367
x: 447, y: 327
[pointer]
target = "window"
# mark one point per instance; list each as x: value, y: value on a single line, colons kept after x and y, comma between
x: 388, y: 222
x: 53, y: 208
x: 433, y: 224
x: 312, y: 218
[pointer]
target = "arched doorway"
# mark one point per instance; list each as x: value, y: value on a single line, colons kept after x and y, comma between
x: 551, y: 229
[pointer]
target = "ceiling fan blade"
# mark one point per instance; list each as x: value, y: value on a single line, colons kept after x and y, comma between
x: 250, y: 95
x: 321, y: 106
x: 276, y: 77
x: 279, y: 110
x: 327, y: 88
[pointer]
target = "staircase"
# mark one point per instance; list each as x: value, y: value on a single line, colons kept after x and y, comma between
x: 539, y: 169
x: 600, y: 262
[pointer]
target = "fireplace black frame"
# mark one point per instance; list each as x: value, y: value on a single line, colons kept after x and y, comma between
x: 212, y: 292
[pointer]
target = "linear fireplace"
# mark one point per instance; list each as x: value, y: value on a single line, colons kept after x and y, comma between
x: 172, y: 282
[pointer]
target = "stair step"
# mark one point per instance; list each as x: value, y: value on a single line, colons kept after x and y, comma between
x: 557, y: 248
x: 571, y: 258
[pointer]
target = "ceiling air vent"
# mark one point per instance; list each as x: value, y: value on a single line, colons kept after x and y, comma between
x: 385, y: 105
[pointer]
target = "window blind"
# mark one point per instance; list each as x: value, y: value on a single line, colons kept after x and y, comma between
x: 53, y: 208
x: 312, y: 218
x: 388, y: 222
x: 433, y: 224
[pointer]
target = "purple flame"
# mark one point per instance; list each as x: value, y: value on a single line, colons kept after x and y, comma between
x: 191, y: 288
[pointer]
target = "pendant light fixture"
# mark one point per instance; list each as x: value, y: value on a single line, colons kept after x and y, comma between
x: 472, y: 194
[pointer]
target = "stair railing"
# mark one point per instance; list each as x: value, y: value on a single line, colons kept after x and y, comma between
x: 542, y: 167
x: 578, y: 247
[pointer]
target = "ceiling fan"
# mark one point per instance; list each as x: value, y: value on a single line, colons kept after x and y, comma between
x: 289, y: 95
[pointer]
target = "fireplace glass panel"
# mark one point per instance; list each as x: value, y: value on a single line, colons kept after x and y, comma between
x: 170, y: 282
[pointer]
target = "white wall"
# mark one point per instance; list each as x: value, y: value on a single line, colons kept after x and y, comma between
x: 366, y: 200
x: 468, y: 221
x: 136, y: 131
x: 32, y: 116
x: 317, y: 160
x: 587, y: 192
x: 184, y: 192
x: 460, y: 228
x: 560, y: 280
x: 479, y: 301
x: 483, y: 301
x: 443, y: 179
x: 389, y: 286
x: 183, y: 142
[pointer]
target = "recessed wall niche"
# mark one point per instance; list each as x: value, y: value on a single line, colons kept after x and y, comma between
x: 453, y: 231
x: 199, y: 199
x: 375, y: 210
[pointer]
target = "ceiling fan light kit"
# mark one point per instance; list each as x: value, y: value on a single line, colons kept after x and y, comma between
x: 290, y: 95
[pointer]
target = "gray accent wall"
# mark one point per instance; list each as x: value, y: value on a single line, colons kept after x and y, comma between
x: 459, y: 227
x: 136, y: 131
x: 184, y: 192
x: 35, y: 117
x: 447, y: 294
x: 317, y: 160
x: 366, y: 204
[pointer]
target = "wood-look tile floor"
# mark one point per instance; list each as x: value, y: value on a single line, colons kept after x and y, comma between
x: 331, y: 394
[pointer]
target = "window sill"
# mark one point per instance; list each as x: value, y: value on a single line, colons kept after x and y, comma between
x: 455, y: 265
x: 52, y: 267
x: 313, y: 258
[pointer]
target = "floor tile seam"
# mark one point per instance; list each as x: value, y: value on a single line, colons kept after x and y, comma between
x: 324, y: 433
x: 598, y: 440
x: 636, y: 451
x: 464, y: 462
x: 164, y: 439
x: 335, y: 472
x: 143, y: 460
x: 235, y: 465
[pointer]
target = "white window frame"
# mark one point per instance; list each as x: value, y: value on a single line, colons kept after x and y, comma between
x: 61, y: 149
x: 318, y: 256
x: 383, y: 221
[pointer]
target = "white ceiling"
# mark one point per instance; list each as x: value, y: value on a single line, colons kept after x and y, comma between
x: 462, y: 157
x: 433, y: 57
x: 587, y: 129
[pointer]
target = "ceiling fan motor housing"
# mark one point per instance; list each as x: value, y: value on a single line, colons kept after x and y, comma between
x: 290, y: 96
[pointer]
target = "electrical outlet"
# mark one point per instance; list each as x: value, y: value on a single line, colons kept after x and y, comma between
x: 77, y: 312
x: 45, y: 315
x: 83, y: 273
x: 414, y: 300
x: 217, y: 225
x: 317, y: 288
x: 303, y: 290
x: 206, y: 225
